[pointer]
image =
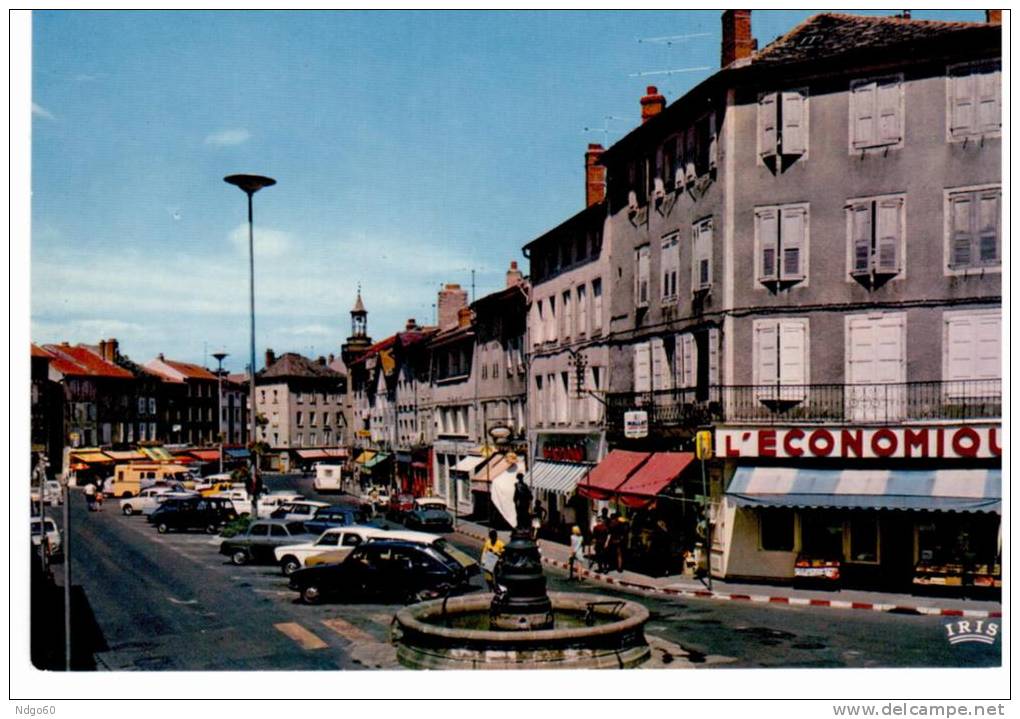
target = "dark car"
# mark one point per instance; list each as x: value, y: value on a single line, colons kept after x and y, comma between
x: 400, y: 506
x: 338, y: 515
x: 429, y: 517
x: 256, y: 545
x: 383, y: 571
x: 208, y: 513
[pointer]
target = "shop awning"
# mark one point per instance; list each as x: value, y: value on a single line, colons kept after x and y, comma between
x: 364, y: 456
x: 336, y: 452
x: 157, y: 453
x: 312, y: 454
x: 467, y: 464
x: 557, y: 477
x: 124, y: 456
x: 376, y: 460
x: 237, y: 453
x: 419, y: 465
x: 91, y: 457
x: 205, y: 455
x: 610, y: 473
x: 653, y: 476
x: 947, y: 490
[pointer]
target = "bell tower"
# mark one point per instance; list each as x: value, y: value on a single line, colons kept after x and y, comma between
x: 359, y: 340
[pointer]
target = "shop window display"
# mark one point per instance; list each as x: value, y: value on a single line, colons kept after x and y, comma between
x: 863, y: 540
x: 959, y: 551
x: 776, y: 527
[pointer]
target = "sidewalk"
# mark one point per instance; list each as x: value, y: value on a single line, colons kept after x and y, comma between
x: 555, y: 555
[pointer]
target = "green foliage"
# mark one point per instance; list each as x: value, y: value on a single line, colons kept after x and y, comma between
x: 238, y: 526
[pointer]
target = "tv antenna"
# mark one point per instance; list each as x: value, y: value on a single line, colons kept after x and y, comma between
x: 605, y: 128
x: 670, y: 41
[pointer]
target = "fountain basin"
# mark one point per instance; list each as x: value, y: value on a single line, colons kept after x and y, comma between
x: 427, y: 637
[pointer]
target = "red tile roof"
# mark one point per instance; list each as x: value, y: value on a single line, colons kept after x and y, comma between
x: 79, y: 361
x: 40, y: 352
x: 191, y: 371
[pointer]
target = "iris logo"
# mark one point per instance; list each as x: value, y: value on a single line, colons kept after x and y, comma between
x: 964, y: 631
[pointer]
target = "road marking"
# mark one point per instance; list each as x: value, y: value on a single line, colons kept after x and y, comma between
x: 348, y: 631
x: 302, y: 636
x: 183, y: 601
x: 274, y: 592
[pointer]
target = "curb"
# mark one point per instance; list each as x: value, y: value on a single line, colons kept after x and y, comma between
x: 627, y: 585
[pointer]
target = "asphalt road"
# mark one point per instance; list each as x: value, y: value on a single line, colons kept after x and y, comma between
x: 172, y: 602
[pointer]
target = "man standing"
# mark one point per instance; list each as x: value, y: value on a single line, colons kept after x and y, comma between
x: 90, y: 496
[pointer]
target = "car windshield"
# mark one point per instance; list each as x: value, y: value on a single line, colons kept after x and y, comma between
x: 37, y: 526
x: 442, y: 559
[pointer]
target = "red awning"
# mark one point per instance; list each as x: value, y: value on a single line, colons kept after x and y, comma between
x: 614, y: 469
x: 419, y: 465
x: 313, y: 454
x: 653, y: 476
x: 205, y: 455
x: 336, y: 453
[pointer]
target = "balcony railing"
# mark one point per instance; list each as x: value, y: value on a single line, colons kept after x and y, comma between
x: 817, y: 403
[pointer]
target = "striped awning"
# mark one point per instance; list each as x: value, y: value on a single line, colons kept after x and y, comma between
x: 614, y: 469
x: 557, y: 477
x: 364, y: 456
x: 951, y: 490
x: 124, y: 456
x: 376, y: 460
x: 653, y: 476
x: 157, y: 453
x: 94, y: 457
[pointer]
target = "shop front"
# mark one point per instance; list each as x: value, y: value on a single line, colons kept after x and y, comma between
x: 412, y: 468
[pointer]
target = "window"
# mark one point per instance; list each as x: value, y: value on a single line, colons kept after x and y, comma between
x: 641, y: 258
x: 152, y: 405
x: 550, y: 330
x: 276, y: 530
x: 311, y: 419
x: 596, y: 305
x: 260, y: 530
x: 863, y: 540
x: 973, y: 235
x: 642, y: 367
x: 974, y: 100
x: 662, y: 368
x: 311, y: 439
x: 780, y: 358
x: 783, y: 124
x: 701, y: 265
x: 781, y: 242
x: 972, y: 346
x: 276, y: 394
x: 670, y: 266
x: 298, y: 440
x: 297, y: 419
x: 685, y: 361
x: 141, y: 405
x: 539, y: 324
x: 595, y: 375
x: 776, y: 530
x: 567, y: 315
x: 582, y: 312
x: 563, y: 398
x: 539, y: 401
x: 668, y: 165
x: 875, y: 229
x: 876, y: 112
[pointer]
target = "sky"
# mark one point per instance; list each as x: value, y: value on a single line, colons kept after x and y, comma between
x: 410, y: 148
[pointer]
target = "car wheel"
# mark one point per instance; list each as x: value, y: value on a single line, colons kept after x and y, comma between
x: 289, y: 565
x: 126, y: 495
x: 240, y: 557
x: 211, y: 529
x: 162, y: 528
x: 311, y: 595
x: 128, y: 510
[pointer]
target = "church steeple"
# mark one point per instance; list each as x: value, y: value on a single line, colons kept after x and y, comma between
x: 359, y: 341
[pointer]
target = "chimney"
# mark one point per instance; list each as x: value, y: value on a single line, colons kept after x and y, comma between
x: 513, y: 275
x: 594, y: 176
x: 993, y: 17
x: 464, y: 317
x: 270, y: 358
x: 112, y: 347
x: 737, y: 43
x: 451, y: 299
x: 161, y: 357
x: 411, y: 325
x: 102, y: 348
x: 321, y: 361
x: 651, y: 104
x: 331, y: 358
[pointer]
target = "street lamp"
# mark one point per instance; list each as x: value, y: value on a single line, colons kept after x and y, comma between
x: 250, y: 184
x: 220, y: 356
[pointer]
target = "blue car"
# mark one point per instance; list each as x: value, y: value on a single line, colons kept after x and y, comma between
x: 339, y: 515
x: 429, y: 515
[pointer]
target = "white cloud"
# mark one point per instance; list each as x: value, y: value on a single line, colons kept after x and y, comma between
x: 268, y: 242
x: 40, y: 111
x: 235, y: 136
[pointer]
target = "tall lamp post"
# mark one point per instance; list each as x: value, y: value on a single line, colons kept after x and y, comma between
x: 220, y: 356
x: 250, y: 184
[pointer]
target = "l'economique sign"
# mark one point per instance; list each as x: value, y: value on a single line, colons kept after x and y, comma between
x: 963, y: 442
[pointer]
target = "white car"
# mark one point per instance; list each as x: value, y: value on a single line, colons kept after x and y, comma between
x: 51, y: 532
x: 240, y: 498
x: 145, y: 502
x: 298, y: 510
x: 52, y: 493
x: 336, y: 540
x: 269, y: 503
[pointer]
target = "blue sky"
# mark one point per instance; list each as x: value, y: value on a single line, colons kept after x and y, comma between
x: 409, y: 148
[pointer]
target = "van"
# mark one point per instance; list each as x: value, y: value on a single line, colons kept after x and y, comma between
x: 328, y: 477
x: 129, y: 479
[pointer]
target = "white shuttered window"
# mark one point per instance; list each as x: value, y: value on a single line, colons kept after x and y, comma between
x: 876, y: 112
x: 781, y: 236
x: 701, y: 265
x: 661, y: 370
x: 974, y: 100
x: 875, y: 231
x: 641, y: 261
x: 642, y: 367
x: 780, y: 350
x: 686, y: 361
x: 973, y: 228
x: 972, y: 345
x: 670, y: 266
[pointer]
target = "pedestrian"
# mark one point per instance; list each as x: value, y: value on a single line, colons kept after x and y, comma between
x: 599, y: 539
x: 576, y: 552
x: 537, y: 519
x: 492, y: 550
x: 99, y: 500
x: 90, y: 496
x: 617, y: 540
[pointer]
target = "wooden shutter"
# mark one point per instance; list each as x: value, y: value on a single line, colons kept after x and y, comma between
x: 890, y: 112
x: 582, y: 309
x: 962, y: 110
x: 859, y: 214
x: 962, y: 236
x: 596, y: 304
x: 687, y: 359
x: 702, y: 265
x: 793, y: 351
x: 987, y: 348
x: 988, y: 226
x: 862, y: 101
x: 793, y: 236
x: 537, y: 323
x: 713, y: 143
x: 766, y: 352
x: 713, y: 356
x: 660, y: 365
x: 887, y: 239
x: 794, y: 139
x: 691, y: 155
x: 642, y: 362
x: 767, y: 124
x: 989, y: 112
x: 768, y: 241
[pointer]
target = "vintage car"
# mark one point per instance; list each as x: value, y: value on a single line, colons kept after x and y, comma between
x: 430, y: 515
x: 338, y: 541
x: 256, y: 545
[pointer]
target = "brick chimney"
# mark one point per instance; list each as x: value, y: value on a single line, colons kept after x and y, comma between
x: 270, y: 358
x: 651, y: 104
x: 513, y: 275
x: 321, y: 361
x: 464, y: 317
x: 102, y: 348
x: 993, y: 17
x: 737, y: 43
x: 594, y: 176
x: 452, y: 298
x: 112, y: 350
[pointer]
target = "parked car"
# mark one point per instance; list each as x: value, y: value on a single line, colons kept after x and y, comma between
x: 302, y: 510
x: 149, y: 499
x: 256, y: 544
x: 337, y: 515
x: 240, y: 498
x: 400, y: 506
x: 429, y: 514
x: 383, y: 571
x: 440, y: 544
x: 47, y: 528
x: 377, y: 497
x: 269, y: 503
x: 338, y: 542
x: 193, y: 512
x: 52, y: 492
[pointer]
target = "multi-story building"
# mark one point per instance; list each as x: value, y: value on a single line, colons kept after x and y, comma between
x: 778, y: 235
x: 46, y: 409
x: 234, y: 409
x: 190, y: 414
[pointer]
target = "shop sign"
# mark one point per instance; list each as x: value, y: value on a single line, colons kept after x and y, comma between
x: 364, y: 433
x: 861, y: 442
x: 635, y: 424
x: 567, y: 447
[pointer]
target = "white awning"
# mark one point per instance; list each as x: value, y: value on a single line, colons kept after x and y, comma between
x: 558, y: 477
x: 467, y: 464
x: 953, y: 490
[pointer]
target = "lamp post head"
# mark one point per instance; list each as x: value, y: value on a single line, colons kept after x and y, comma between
x: 250, y: 183
x: 220, y: 356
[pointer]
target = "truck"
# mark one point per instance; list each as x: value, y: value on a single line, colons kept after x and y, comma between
x: 328, y: 477
x: 130, y: 479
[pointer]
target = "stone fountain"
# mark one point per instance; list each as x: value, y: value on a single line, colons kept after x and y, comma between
x: 521, y: 626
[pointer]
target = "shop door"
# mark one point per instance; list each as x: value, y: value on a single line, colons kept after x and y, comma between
x: 897, y: 551
x: 876, y: 367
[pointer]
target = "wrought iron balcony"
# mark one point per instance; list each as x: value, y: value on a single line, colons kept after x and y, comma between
x: 817, y: 403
